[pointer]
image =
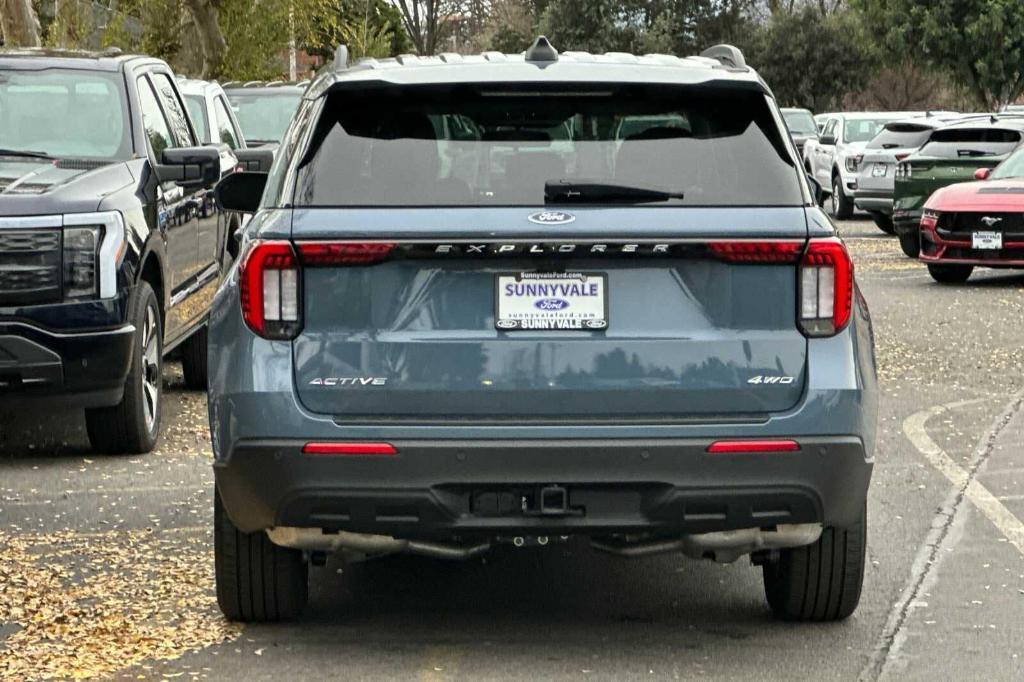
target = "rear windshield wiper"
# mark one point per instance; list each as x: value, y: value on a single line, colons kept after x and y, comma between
x: 25, y: 153
x: 972, y: 152
x: 583, y: 191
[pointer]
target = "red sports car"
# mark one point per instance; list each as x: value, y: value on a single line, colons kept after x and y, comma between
x: 976, y: 223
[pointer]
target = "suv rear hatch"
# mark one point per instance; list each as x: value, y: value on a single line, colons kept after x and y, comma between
x: 450, y: 265
x: 951, y: 155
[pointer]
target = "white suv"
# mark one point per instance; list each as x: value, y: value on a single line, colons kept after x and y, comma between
x: 835, y: 158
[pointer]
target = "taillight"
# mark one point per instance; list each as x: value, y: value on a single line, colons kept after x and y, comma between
x: 269, y: 289
x: 271, y: 279
x: 320, y: 254
x: 757, y: 252
x: 826, y: 288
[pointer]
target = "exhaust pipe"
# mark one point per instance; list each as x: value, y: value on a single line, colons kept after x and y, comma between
x: 315, y: 540
x: 722, y: 546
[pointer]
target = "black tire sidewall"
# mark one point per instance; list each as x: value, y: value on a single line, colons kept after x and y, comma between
x: 145, y: 298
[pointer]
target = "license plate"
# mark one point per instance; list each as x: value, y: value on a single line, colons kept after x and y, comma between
x: 546, y: 300
x: 987, y: 240
x: 879, y: 170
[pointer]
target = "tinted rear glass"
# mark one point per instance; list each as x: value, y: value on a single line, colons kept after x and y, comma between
x: 952, y: 143
x: 900, y: 136
x: 463, y: 145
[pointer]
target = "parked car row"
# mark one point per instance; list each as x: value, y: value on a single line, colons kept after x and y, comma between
x: 912, y: 172
x: 111, y: 243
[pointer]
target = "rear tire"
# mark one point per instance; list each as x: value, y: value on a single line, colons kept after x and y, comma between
x: 820, y: 582
x: 132, y: 426
x: 884, y: 222
x: 842, y: 206
x: 910, y: 242
x: 950, y: 274
x: 257, y: 581
x: 194, y: 359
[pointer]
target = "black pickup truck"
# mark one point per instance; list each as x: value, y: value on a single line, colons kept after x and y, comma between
x: 111, y: 246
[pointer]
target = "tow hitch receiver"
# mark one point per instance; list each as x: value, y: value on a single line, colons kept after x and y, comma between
x: 548, y: 500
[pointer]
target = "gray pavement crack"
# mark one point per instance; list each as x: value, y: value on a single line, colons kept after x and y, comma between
x: 929, y: 555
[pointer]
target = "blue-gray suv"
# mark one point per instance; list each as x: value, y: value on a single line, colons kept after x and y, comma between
x: 519, y: 298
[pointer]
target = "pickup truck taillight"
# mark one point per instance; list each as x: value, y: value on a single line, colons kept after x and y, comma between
x: 826, y: 288
x: 270, y: 279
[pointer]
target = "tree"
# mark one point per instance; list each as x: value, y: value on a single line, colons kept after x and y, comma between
x: 211, y: 38
x: 370, y: 28
x: 978, y: 41
x: 510, y: 26
x: 430, y: 22
x: 811, y: 60
x: 19, y: 22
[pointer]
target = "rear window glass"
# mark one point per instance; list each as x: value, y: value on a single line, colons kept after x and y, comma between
x: 951, y: 143
x: 478, y: 146
x: 800, y: 122
x: 862, y: 129
x: 900, y: 136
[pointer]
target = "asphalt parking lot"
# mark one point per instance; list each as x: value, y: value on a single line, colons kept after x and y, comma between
x: 106, y: 562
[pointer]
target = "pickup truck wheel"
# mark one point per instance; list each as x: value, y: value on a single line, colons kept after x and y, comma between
x: 910, y: 242
x: 132, y: 426
x: 950, y: 274
x: 820, y: 582
x: 883, y: 222
x: 842, y: 206
x: 193, y: 359
x: 257, y: 581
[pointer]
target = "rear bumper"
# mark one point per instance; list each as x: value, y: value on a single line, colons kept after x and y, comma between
x: 444, y: 488
x: 873, y: 200
x: 73, y: 368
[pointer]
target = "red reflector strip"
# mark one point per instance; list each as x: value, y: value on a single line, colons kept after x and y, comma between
x: 349, y: 449
x: 725, y: 447
x: 757, y: 252
x: 321, y: 254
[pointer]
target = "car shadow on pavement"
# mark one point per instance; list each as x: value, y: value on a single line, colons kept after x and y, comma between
x: 534, y: 588
x: 34, y: 432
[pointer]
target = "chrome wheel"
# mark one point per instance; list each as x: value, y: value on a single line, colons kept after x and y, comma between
x: 835, y: 197
x: 151, y: 366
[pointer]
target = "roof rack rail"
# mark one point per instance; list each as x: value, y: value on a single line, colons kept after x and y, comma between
x: 726, y: 55
x: 341, y: 57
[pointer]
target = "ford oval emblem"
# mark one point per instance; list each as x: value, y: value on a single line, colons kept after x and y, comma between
x: 552, y: 218
x: 551, y: 304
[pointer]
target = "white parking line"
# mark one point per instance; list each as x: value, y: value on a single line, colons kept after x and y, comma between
x: 989, y: 505
x: 930, y: 554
